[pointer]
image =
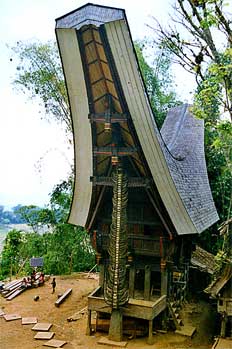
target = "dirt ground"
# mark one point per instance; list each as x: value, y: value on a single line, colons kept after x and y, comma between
x: 14, y: 335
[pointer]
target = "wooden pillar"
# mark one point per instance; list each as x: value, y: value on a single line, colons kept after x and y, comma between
x: 132, y: 281
x: 164, y: 279
x: 89, y: 326
x: 101, y: 275
x: 150, y: 333
x: 147, y: 282
x: 115, y: 330
x: 223, y: 325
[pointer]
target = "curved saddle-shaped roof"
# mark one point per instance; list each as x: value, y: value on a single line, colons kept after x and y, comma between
x: 99, y: 61
x: 183, y: 147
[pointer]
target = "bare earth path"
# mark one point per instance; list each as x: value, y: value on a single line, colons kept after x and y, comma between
x: 13, y: 335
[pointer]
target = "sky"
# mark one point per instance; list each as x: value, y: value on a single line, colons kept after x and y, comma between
x: 34, y: 153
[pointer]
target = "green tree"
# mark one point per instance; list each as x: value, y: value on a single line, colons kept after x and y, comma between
x: 199, y: 37
x: 60, y: 200
x: 10, y: 257
x: 39, y: 75
x: 195, y: 39
x: 69, y: 249
x: 35, y: 216
x: 64, y: 247
x: 158, y: 79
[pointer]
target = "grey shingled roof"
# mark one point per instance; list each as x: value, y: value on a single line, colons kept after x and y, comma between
x: 89, y: 14
x: 183, y: 147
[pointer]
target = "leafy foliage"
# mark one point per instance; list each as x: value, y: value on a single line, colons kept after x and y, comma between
x: 65, y: 248
x: 10, y: 258
x: 199, y: 37
x: 158, y: 80
x: 35, y: 216
x: 39, y: 75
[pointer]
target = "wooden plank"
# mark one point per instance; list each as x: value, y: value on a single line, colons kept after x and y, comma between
x: 159, y: 306
x: 106, y: 341
x: 15, y: 294
x: 55, y: 343
x: 29, y: 320
x: 42, y: 326
x: 223, y: 343
x: 44, y: 335
x: 144, y: 303
x: 144, y: 309
x: 63, y: 297
x: 2, y: 312
x: 98, y: 304
x: 10, y: 291
x: 78, y: 315
x: 11, y: 284
x: 215, y: 343
x: 11, y: 317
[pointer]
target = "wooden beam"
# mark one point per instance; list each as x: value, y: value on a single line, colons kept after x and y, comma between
x: 96, y: 208
x: 15, y: 294
x: 63, y: 297
x: 120, y: 151
x: 98, y: 202
x: 160, y: 215
x: 109, y: 117
x: 133, y: 182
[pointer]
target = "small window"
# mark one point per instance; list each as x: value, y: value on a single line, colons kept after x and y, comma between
x: 221, y: 302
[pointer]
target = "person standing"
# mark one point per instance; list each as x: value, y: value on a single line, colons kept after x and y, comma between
x: 53, y: 283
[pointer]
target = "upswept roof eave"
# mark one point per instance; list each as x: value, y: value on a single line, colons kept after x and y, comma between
x: 126, y: 63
